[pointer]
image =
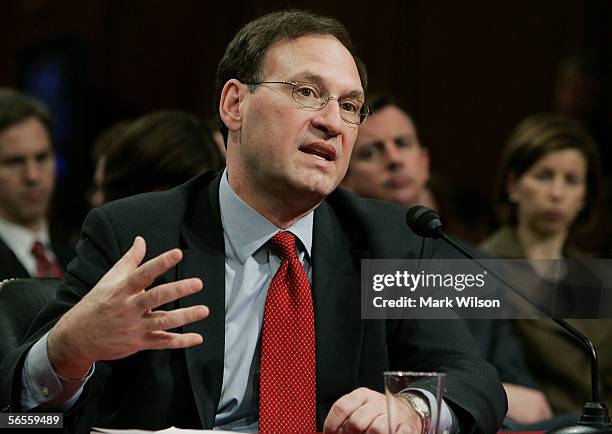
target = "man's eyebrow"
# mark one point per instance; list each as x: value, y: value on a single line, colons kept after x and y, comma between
x: 376, y: 144
x: 12, y: 158
x: 314, y: 78
x: 357, y: 94
x: 320, y: 81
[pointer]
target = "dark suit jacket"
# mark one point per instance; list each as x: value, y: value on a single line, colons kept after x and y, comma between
x: 498, y: 342
x: 156, y: 389
x: 10, y: 267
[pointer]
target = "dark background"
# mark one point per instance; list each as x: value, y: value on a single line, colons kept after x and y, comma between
x: 467, y: 71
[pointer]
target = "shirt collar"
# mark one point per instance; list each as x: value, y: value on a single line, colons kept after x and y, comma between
x: 19, y: 238
x: 248, y: 230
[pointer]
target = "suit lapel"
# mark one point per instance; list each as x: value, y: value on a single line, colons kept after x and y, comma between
x: 10, y: 266
x: 336, y: 298
x: 204, y: 257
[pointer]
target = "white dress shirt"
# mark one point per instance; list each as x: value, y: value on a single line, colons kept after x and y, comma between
x: 20, y: 240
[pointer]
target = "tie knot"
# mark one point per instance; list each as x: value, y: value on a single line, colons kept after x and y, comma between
x: 38, y: 250
x: 284, y: 244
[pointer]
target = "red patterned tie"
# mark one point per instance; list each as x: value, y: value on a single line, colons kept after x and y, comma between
x: 45, y: 267
x: 287, y: 400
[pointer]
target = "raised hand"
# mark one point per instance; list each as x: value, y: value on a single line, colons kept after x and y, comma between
x: 116, y: 318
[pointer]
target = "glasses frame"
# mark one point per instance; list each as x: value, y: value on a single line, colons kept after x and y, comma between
x: 363, y: 113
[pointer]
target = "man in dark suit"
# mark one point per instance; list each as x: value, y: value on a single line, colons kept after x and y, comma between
x: 27, y: 177
x: 290, y: 94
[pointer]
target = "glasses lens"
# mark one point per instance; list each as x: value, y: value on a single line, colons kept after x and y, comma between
x: 310, y: 96
x: 353, y: 111
x: 313, y: 97
x: 350, y: 109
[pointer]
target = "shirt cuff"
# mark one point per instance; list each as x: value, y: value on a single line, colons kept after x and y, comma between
x: 42, y: 386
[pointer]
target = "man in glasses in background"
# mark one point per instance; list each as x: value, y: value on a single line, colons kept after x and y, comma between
x: 275, y: 341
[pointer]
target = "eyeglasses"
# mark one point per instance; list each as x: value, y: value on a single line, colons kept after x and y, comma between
x: 313, y: 97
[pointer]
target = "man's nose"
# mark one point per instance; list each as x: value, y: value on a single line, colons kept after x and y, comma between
x: 32, y: 171
x: 392, y: 153
x: 328, y: 119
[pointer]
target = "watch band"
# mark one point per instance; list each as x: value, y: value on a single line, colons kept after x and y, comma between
x: 420, y: 405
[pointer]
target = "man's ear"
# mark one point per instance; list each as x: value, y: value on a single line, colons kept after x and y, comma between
x: 229, y: 104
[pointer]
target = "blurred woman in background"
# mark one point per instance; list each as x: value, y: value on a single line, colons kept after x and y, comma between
x: 548, y: 188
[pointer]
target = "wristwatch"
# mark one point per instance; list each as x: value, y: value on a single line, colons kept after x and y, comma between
x: 420, y: 404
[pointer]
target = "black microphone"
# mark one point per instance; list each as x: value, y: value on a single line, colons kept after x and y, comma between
x: 425, y: 222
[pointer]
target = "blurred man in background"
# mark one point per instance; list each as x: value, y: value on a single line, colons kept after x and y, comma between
x: 389, y: 162
x: 27, y: 178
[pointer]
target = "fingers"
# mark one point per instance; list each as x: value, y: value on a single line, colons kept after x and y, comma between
x: 162, y: 340
x: 137, y: 277
x: 165, y: 320
x: 167, y: 293
x: 379, y: 425
x: 339, y: 413
x: 131, y: 259
x: 363, y: 417
x: 144, y: 275
x: 361, y: 411
x: 355, y: 412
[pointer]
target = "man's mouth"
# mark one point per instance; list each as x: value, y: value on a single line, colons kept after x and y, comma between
x: 398, y: 181
x: 320, y: 150
x: 34, y: 195
x: 552, y: 215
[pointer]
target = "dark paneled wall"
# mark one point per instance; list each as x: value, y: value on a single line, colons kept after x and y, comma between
x: 468, y: 71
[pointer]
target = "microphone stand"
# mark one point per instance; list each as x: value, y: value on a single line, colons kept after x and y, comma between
x: 595, y: 417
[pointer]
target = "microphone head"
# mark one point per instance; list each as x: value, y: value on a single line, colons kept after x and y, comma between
x: 423, y: 221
